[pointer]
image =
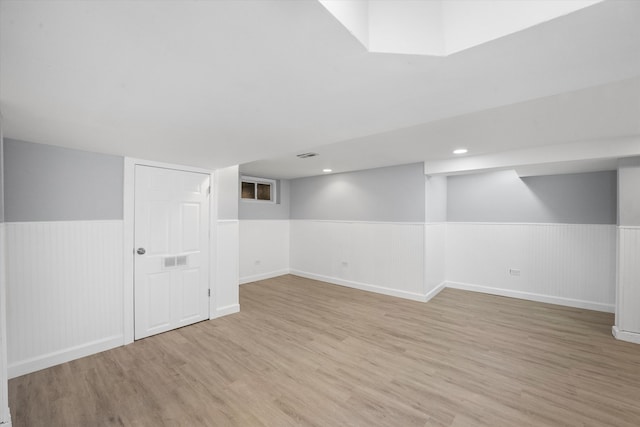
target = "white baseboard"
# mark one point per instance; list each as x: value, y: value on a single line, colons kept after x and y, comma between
x: 435, y: 291
x: 263, y: 276
x: 589, y: 305
x: 227, y: 309
x: 48, y: 360
x: 625, y: 336
x: 363, y: 286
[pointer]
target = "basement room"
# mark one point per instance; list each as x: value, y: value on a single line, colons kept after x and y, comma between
x: 320, y: 213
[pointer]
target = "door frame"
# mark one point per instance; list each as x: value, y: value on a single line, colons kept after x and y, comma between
x: 128, y: 241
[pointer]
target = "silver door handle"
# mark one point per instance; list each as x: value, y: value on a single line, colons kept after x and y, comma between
x: 141, y: 251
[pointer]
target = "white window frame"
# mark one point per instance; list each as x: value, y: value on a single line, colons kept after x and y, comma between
x: 256, y: 180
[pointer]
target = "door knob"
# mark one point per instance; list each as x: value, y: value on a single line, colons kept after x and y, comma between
x: 141, y: 251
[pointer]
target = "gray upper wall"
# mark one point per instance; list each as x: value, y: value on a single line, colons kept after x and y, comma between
x: 585, y: 198
x: 264, y: 210
x: 47, y: 183
x: 395, y: 194
x: 1, y: 174
x: 436, y: 198
x: 227, y: 188
x: 628, y: 192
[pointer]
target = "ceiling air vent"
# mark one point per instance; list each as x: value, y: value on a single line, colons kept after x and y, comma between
x: 306, y: 155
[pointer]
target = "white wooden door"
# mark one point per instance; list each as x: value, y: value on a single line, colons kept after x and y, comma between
x: 171, y: 249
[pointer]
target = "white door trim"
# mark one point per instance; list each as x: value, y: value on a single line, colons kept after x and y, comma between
x: 128, y: 237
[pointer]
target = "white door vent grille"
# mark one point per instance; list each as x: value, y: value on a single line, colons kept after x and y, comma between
x: 174, y: 261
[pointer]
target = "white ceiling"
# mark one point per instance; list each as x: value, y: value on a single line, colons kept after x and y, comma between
x: 218, y: 83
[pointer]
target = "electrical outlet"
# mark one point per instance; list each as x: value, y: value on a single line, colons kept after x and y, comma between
x: 257, y: 262
x: 345, y: 264
x: 514, y: 271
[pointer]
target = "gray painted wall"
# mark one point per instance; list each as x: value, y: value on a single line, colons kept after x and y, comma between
x: 261, y: 210
x: 1, y: 175
x: 586, y: 198
x: 436, y: 198
x: 629, y: 192
x: 228, y: 192
x: 47, y: 183
x: 394, y: 194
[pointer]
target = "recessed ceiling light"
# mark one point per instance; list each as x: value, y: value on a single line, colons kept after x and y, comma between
x: 327, y: 170
x: 460, y: 151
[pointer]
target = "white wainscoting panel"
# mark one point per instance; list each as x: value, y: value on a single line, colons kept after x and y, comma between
x: 568, y: 264
x: 64, y: 291
x: 435, y: 240
x: 387, y: 258
x: 225, y: 297
x: 5, y: 416
x: 264, y: 249
x: 628, y: 301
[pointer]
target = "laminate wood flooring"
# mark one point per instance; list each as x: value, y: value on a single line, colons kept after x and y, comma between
x: 306, y: 353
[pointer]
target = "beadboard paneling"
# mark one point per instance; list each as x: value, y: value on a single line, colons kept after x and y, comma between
x: 568, y: 264
x: 628, y: 314
x: 64, y: 291
x: 381, y: 257
x: 225, y: 298
x: 264, y: 249
x: 5, y: 416
x: 435, y: 239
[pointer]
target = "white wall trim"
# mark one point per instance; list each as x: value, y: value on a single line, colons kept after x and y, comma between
x: 372, y: 288
x: 625, y: 336
x: 224, y: 293
x: 128, y: 220
x: 435, y: 291
x: 629, y: 227
x: 434, y: 252
x: 264, y: 276
x: 152, y: 163
x: 568, y: 302
x: 55, y: 358
x: 64, y: 289
x: 539, y: 224
x: 226, y: 310
x: 571, y: 265
x: 386, y: 258
x: 264, y: 249
x: 128, y: 236
x: 92, y: 221
x: 363, y: 286
x: 5, y: 414
x: 628, y: 280
x: 336, y: 221
x: 435, y: 223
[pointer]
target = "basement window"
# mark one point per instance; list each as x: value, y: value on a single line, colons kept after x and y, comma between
x: 258, y: 189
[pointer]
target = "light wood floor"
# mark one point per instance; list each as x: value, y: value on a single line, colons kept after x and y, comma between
x: 305, y: 353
